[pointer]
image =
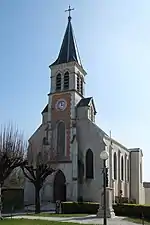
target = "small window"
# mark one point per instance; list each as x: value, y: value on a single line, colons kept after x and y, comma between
x: 58, y: 82
x: 141, y: 172
x: 66, y: 80
x: 122, y: 168
x: 45, y: 141
x: 128, y: 170
x: 78, y: 83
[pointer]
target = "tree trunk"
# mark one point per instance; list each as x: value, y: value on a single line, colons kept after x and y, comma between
x: 37, y: 200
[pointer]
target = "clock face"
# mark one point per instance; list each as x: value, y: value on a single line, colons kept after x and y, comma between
x: 61, y: 104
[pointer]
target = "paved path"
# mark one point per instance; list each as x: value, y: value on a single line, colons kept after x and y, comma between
x: 45, y: 206
x: 82, y: 220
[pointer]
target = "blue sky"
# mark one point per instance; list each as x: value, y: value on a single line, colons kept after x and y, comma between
x: 113, y: 38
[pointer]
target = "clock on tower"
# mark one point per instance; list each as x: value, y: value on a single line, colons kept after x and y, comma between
x: 61, y: 105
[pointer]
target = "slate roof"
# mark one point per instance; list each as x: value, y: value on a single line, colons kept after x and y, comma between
x: 45, y: 109
x: 68, y: 51
x: 84, y: 102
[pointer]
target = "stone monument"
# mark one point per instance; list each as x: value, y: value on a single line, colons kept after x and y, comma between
x: 109, y: 209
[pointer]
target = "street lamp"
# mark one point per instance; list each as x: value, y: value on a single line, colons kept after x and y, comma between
x: 104, y: 156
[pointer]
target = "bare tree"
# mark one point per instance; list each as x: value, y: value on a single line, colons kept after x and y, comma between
x: 36, y: 170
x: 12, y: 148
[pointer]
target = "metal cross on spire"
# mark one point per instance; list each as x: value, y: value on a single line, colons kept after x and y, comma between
x: 69, y: 10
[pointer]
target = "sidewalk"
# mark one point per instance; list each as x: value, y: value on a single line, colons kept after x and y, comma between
x: 92, y: 219
x: 45, y: 207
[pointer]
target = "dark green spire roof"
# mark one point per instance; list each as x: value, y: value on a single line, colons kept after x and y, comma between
x: 68, y: 51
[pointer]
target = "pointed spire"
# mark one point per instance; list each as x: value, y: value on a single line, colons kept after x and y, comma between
x: 68, y: 51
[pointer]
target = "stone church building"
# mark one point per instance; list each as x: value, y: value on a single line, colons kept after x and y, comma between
x: 69, y: 131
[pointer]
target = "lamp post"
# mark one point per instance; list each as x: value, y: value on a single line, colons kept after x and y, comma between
x: 0, y: 201
x: 104, y: 156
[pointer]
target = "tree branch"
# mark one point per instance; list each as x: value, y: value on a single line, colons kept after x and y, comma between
x: 27, y: 176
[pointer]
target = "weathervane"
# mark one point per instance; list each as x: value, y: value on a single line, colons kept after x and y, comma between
x: 69, y: 10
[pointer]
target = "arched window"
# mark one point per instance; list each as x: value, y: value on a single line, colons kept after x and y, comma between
x: 141, y: 172
x: 128, y: 169
x: 115, y: 166
x: 89, y: 164
x: 78, y: 83
x: 122, y: 168
x: 58, y: 82
x: 66, y: 80
x: 61, y: 139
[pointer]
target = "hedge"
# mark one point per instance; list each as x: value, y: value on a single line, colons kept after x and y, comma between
x: 126, y: 210
x: 123, y: 200
x: 132, y: 210
x: 12, y: 199
x: 75, y: 207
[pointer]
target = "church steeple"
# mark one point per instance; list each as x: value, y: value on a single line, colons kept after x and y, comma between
x: 67, y: 73
x: 68, y: 51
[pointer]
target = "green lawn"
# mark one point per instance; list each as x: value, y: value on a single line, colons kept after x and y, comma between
x: 31, y: 222
x: 58, y: 215
x: 138, y: 221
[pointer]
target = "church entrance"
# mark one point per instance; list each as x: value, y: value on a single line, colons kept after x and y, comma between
x: 59, y: 187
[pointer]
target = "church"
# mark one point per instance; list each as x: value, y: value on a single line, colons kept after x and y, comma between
x: 69, y: 130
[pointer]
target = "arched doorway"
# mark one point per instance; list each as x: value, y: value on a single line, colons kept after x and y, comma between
x: 59, y: 187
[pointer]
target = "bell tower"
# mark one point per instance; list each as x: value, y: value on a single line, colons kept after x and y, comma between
x: 67, y: 73
x: 67, y: 89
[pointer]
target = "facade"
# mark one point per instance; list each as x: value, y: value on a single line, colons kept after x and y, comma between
x: 69, y: 131
x: 147, y: 192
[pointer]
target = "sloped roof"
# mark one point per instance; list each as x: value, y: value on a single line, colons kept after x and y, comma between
x: 45, y: 109
x: 68, y: 51
x: 85, y: 102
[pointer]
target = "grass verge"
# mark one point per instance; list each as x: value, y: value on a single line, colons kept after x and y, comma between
x: 138, y: 221
x: 32, y: 222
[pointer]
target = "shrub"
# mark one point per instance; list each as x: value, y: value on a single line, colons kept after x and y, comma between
x: 75, y: 207
x: 80, y: 199
x: 121, y: 200
x: 132, y: 210
x: 132, y: 201
x: 12, y: 199
x: 127, y: 210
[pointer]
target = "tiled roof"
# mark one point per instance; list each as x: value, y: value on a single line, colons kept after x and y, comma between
x: 68, y: 51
